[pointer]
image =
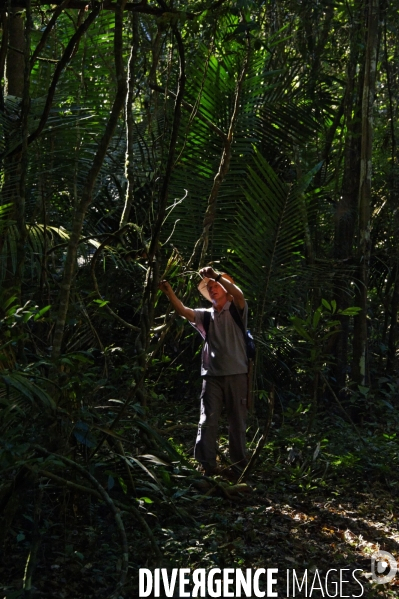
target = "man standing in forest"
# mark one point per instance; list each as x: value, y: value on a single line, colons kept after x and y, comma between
x: 224, y: 365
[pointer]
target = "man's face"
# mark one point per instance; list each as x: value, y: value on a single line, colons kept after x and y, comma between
x: 217, y: 293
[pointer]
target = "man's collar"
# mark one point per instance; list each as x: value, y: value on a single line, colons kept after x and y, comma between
x: 225, y: 307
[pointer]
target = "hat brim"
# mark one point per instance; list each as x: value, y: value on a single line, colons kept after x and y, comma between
x: 203, y: 286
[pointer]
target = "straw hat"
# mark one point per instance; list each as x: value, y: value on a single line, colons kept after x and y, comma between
x: 203, y: 286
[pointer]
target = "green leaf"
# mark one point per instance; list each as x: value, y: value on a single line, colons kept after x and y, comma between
x: 21, y: 382
x: 122, y: 484
x: 101, y: 303
x: 41, y: 312
x: 297, y: 323
x: 363, y: 390
x: 326, y: 304
x: 352, y: 311
x: 316, y: 317
x: 387, y: 403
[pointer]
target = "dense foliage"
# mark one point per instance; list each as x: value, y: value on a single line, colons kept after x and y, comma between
x: 141, y: 142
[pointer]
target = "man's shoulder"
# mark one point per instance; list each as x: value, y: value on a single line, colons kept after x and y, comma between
x: 241, y: 311
x: 200, y: 314
x: 203, y: 310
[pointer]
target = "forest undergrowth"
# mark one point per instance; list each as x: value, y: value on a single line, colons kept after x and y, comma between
x: 317, y: 500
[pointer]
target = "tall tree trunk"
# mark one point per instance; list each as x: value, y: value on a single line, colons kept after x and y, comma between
x: 393, y: 329
x: 346, y: 210
x: 5, y: 30
x: 152, y: 278
x: 15, y: 167
x: 21, y: 195
x: 129, y: 155
x: 360, y: 328
x: 393, y: 311
x: 15, y: 64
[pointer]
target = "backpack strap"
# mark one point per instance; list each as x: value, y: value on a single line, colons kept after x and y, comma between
x: 207, y: 322
x: 237, y: 318
x: 235, y: 315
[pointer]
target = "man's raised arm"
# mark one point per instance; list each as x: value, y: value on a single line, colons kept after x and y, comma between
x: 182, y: 310
x: 231, y: 288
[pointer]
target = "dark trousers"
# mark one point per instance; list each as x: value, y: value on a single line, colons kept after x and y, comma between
x: 216, y: 390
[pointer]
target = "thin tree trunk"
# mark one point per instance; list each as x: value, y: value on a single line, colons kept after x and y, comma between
x: 17, y: 31
x: 393, y: 330
x: 346, y: 211
x: 129, y: 155
x: 22, y: 168
x: 15, y: 56
x: 391, y: 358
x: 172, y: 147
x: 21, y: 195
x: 309, y: 252
x: 5, y: 22
x: 364, y: 245
x: 152, y: 278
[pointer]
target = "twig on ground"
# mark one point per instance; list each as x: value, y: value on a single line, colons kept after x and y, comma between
x: 261, y: 442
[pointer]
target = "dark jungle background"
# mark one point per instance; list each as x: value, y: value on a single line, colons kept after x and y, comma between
x: 142, y: 141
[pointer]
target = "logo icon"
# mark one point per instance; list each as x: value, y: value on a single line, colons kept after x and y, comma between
x: 380, y: 561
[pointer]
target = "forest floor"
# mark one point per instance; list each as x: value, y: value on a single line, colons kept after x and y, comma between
x: 292, y: 516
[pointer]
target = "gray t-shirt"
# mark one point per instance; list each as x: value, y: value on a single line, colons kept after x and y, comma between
x: 225, y: 351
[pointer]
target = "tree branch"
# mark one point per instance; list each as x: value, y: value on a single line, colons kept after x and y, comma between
x: 261, y: 443
x: 47, y: 31
x: 57, y: 74
x: 172, y: 146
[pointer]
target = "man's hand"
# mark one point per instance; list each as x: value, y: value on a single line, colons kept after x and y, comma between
x: 208, y: 272
x: 165, y: 287
x: 182, y: 310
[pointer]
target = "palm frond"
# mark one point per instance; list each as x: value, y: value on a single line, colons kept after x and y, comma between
x: 21, y: 383
x: 269, y: 233
x: 273, y: 116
